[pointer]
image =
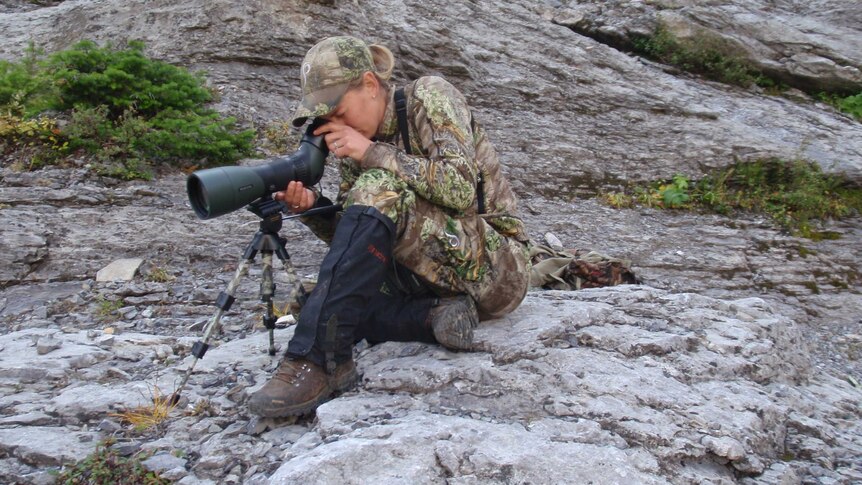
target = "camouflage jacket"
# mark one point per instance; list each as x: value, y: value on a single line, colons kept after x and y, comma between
x: 449, y: 152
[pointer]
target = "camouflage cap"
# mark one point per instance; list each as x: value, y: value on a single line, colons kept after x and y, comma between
x: 326, y: 73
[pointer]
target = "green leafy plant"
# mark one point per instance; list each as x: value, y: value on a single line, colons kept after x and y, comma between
x: 128, y: 111
x: 24, y: 89
x: 123, y: 79
x: 795, y: 194
x: 851, y: 105
x: 105, y: 467
x: 158, y: 274
x: 702, y: 53
x: 675, y: 194
x: 106, y: 310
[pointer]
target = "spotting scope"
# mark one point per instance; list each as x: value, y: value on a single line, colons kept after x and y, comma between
x: 216, y: 191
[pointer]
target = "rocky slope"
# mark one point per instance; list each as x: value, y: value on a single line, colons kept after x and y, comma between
x: 734, y: 362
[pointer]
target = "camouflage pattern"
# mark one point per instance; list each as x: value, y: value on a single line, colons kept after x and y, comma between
x: 431, y: 196
x: 326, y: 73
x: 575, y: 269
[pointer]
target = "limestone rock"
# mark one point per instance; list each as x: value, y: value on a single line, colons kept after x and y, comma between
x: 46, y: 446
x: 120, y: 270
x: 623, y: 119
x: 734, y: 359
x: 23, y: 245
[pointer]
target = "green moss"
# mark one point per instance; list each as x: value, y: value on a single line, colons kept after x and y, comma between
x: 839, y: 284
x: 106, y: 310
x: 805, y: 252
x: 812, y: 285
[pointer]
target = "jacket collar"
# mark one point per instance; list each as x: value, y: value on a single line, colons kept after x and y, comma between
x: 389, y: 126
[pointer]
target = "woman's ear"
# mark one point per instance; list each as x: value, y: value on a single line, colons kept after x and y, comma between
x: 370, y: 82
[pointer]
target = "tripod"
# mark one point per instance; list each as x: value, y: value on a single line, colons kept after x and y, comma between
x: 267, y: 242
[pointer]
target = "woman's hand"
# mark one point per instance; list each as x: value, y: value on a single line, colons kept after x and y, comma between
x: 344, y: 141
x: 297, y: 197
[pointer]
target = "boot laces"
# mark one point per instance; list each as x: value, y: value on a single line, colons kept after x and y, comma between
x: 290, y: 370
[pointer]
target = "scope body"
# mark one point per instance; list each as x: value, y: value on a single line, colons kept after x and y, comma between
x: 217, y: 191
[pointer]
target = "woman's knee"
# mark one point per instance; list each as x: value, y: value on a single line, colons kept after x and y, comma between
x: 382, y: 190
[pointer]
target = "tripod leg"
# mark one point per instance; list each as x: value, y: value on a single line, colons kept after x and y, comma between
x: 293, y: 281
x: 267, y: 290
x: 224, y: 302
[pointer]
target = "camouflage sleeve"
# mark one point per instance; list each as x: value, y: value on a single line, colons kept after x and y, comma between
x: 323, y: 226
x: 441, y: 119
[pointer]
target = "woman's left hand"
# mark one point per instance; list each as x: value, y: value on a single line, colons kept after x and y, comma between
x: 344, y: 141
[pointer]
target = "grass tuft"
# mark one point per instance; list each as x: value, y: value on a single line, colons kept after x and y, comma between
x: 146, y: 417
x: 797, y: 195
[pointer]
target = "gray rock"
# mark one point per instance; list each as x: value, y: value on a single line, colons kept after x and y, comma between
x: 174, y: 473
x: 162, y: 462
x: 463, y: 448
x: 120, y: 270
x: 19, y: 361
x: 47, y: 344
x: 193, y: 480
x: 23, y: 244
x: 46, y: 446
x: 91, y: 401
x: 126, y: 448
x: 109, y: 426
x: 724, y: 447
x: 728, y: 343
x: 27, y: 419
x: 658, y: 124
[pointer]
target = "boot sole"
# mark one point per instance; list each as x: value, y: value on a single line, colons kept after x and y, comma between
x: 274, y: 411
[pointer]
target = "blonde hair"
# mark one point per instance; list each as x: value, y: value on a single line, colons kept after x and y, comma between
x: 384, y: 63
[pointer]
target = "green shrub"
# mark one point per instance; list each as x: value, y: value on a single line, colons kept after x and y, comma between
x: 127, y: 110
x: 105, y: 467
x: 851, y: 105
x: 123, y: 80
x: 191, y: 136
x: 24, y: 89
x: 795, y: 194
x: 704, y: 54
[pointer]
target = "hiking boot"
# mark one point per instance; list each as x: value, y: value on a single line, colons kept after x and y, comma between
x: 298, y: 387
x: 453, y: 321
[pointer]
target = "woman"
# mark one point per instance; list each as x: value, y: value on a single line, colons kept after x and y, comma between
x: 428, y: 242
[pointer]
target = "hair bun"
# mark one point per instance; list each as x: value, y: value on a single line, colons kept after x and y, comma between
x: 383, y: 59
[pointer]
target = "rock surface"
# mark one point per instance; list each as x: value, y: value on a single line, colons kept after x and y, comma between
x: 814, y: 46
x: 606, y: 116
x: 737, y: 360
x: 120, y: 270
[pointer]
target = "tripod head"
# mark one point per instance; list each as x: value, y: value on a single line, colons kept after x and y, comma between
x: 269, y: 211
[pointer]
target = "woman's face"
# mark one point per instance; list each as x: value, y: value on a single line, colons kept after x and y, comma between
x: 361, y: 108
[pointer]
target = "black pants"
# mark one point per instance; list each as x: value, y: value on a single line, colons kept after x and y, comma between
x: 399, y: 312
x: 360, y: 293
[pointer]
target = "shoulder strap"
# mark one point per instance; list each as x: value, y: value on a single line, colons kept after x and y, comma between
x: 401, y: 112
